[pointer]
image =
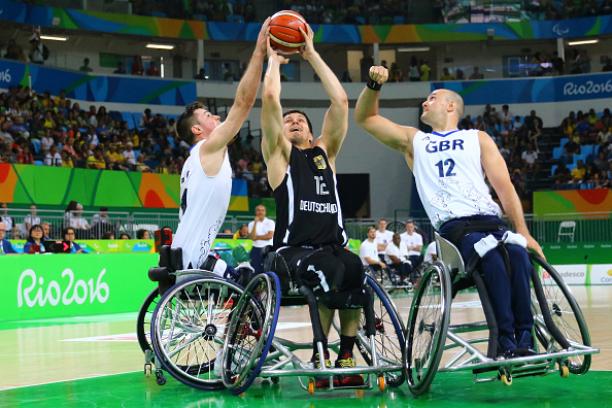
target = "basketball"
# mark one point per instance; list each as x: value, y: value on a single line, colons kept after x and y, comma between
x: 285, y: 35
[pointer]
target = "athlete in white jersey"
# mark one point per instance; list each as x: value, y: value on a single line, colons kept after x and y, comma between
x: 206, y: 177
x: 450, y: 166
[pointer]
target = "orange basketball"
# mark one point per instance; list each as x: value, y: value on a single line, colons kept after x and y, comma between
x: 285, y: 35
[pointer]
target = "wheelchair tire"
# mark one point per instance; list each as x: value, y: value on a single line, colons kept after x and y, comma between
x: 189, y: 326
x: 566, y: 315
x: 143, y: 321
x: 421, y: 365
x: 254, y: 317
x: 390, y: 331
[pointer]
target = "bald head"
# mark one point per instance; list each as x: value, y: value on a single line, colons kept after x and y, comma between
x: 456, y: 100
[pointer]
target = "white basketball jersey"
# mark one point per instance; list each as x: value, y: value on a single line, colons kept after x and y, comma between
x: 204, y: 202
x: 449, y: 176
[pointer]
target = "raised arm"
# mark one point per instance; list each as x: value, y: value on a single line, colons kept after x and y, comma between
x: 384, y: 130
x: 244, y: 100
x: 335, y: 121
x: 271, y: 109
x: 495, y: 168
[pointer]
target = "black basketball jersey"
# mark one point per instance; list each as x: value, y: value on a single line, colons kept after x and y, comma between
x: 307, y: 204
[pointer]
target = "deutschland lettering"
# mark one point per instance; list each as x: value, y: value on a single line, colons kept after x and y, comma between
x: 311, y: 206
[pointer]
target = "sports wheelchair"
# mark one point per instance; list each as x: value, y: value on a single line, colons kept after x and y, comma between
x: 195, y: 283
x: 210, y: 333
x: 561, y: 332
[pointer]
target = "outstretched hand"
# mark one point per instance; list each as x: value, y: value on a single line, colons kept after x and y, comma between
x: 307, y: 50
x: 379, y: 74
x: 275, y: 55
x: 263, y: 36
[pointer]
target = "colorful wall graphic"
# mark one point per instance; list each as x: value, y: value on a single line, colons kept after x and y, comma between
x: 97, y: 88
x: 74, y: 19
x: 532, y: 90
x: 44, y: 185
x: 572, y: 201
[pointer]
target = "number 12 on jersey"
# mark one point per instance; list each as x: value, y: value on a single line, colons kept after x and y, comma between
x: 449, y: 164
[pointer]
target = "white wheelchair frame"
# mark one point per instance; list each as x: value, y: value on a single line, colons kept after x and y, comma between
x: 441, y: 336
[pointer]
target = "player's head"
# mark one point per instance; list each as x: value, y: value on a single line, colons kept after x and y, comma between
x: 382, y: 224
x: 260, y: 211
x: 371, y: 232
x: 196, y: 123
x: 410, y: 226
x: 442, y: 106
x: 297, y: 128
x: 397, y: 239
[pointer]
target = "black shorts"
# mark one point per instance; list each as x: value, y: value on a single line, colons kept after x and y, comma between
x: 330, y: 268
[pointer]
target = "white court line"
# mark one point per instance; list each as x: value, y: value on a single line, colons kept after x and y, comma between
x: 6, y: 388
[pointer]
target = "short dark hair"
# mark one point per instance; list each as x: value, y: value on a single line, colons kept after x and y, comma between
x: 186, y: 121
x: 301, y: 113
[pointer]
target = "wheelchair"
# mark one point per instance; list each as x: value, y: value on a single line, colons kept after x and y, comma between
x: 388, y: 278
x: 199, y: 300
x: 210, y: 333
x: 561, y: 337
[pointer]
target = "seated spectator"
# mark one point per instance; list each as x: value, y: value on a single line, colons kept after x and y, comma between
x: 396, y: 257
x: 120, y: 69
x: 562, y: 174
x: 8, y: 220
x: 124, y: 235
x: 35, y: 242
x: 73, y: 217
x: 431, y: 253
x: 261, y: 231
x: 446, y: 75
x: 108, y: 235
x: 53, y: 158
x: 5, y: 244
x: 368, y: 251
x: 72, y: 246
x: 152, y: 70
x: 414, y: 243
x: 530, y: 157
x: 476, y: 74
x: 46, y: 231
x: 143, y: 234
x: 579, y: 172
x: 31, y: 219
x: 242, y: 233
x: 85, y: 67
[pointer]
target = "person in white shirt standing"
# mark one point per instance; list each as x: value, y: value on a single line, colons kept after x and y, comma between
x: 397, y: 258
x: 414, y: 243
x: 261, y: 231
x: 368, y: 251
x: 383, y: 237
x: 206, y: 178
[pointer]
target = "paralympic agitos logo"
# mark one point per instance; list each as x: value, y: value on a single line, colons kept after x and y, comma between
x: 32, y: 290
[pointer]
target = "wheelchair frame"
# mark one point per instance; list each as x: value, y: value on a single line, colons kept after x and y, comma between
x: 263, y: 363
x: 439, y: 279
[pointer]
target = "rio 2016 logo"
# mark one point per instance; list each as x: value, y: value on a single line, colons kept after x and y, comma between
x: 32, y: 290
x: 588, y: 88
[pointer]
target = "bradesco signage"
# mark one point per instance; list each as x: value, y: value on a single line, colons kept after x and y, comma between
x: 73, y: 285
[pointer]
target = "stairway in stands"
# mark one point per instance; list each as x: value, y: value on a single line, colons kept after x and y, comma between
x: 548, y: 140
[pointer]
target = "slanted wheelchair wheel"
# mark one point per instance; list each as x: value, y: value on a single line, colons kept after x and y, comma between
x: 189, y: 327
x: 143, y: 322
x: 566, y: 316
x: 427, y: 327
x: 251, y: 331
x: 389, y: 334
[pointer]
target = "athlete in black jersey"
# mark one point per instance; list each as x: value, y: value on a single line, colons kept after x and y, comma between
x: 309, y: 227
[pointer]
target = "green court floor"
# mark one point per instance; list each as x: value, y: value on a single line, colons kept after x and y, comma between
x: 448, y: 390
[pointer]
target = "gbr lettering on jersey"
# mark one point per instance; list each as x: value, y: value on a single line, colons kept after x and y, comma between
x: 449, y: 176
